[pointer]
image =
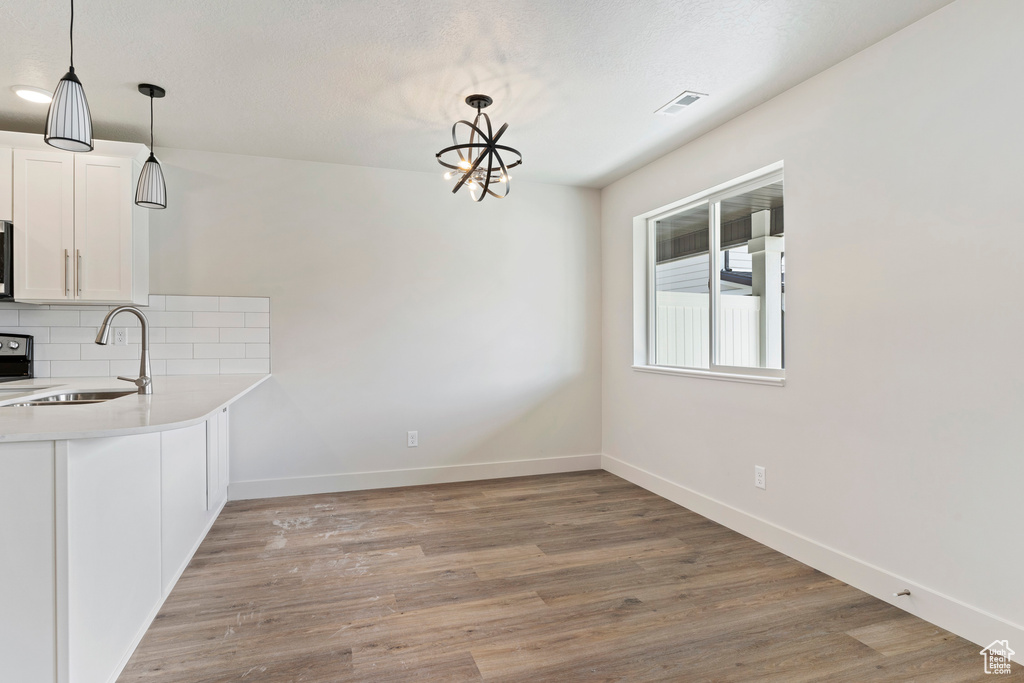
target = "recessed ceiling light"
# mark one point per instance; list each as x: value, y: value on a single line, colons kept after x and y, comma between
x: 37, y: 95
x: 680, y: 102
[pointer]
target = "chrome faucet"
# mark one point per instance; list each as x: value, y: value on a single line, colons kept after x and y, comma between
x: 145, y: 379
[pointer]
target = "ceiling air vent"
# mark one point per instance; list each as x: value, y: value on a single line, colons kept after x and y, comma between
x: 681, y: 102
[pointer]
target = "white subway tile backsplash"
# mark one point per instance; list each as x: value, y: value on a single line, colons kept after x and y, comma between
x: 192, y: 303
x: 41, y: 335
x: 257, y: 320
x: 188, y: 335
x: 49, y: 318
x: 233, y: 335
x: 219, y: 319
x: 218, y: 351
x: 244, y: 366
x: 157, y: 335
x: 197, y: 366
x: 57, y: 351
x: 246, y: 304
x: 170, y: 319
x: 130, y: 368
x: 193, y: 335
x: 257, y: 350
x: 126, y: 368
x: 110, y: 352
x: 94, y: 318
x: 170, y: 350
x: 73, y: 335
x: 79, y: 368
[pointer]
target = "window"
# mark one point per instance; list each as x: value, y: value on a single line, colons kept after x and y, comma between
x: 713, y: 279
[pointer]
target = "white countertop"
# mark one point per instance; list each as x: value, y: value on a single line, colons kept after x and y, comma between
x: 178, y: 401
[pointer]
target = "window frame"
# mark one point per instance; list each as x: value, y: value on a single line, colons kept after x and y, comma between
x: 644, y: 282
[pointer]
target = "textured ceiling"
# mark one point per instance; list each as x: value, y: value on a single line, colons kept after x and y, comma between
x: 380, y: 83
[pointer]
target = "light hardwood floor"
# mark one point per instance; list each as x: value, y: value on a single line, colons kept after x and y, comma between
x: 570, y: 577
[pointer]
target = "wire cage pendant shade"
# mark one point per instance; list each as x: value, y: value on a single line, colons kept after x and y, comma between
x: 477, y: 163
x: 69, y: 122
x: 151, y: 192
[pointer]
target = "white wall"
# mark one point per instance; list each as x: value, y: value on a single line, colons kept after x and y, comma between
x: 894, y: 453
x: 396, y: 306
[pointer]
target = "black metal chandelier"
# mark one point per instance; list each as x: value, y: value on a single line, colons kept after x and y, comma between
x: 478, y: 163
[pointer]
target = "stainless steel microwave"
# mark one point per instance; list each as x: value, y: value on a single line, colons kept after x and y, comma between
x: 6, y: 260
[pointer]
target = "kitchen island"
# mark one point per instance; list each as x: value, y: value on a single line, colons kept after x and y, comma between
x: 103, y: 505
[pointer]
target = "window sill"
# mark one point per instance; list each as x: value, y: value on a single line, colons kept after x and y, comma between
x: 708, y: 374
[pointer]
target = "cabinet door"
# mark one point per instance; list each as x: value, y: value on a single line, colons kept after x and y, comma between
x: 224, y: 451
x: 28, y: 650
x: 113, y: 541
x: 44, y: 227
x: 6, y: 184
x: 212, y: 463
x: 217, y: 460
x: 103, y: 229
x: 183, y: 498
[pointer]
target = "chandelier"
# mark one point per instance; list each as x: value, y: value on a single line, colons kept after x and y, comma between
x: 477, y: 163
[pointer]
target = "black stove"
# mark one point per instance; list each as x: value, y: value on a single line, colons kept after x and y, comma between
x: 15, y: 357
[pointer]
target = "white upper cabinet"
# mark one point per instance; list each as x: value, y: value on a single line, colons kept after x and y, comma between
x: 78, y: 236
x: 6, y: 183
x: 103, y: 228
x: 44, y: 225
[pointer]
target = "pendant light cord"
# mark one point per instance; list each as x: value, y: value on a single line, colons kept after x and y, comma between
x: 71, y: 35
x: 151, y: 122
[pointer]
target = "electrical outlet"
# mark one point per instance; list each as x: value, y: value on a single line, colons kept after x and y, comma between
x: 758, y: 476
x: 414, y: 439
x: 120, y: 336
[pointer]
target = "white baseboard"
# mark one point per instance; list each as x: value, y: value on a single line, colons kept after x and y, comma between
x: 445, y: 474
x: 944, y: 611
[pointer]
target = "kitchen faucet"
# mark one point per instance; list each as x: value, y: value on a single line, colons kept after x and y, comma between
x: 145, y: 379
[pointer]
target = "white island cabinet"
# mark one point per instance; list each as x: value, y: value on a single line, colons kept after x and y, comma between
x: 95, y: 531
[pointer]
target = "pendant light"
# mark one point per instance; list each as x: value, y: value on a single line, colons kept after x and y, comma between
x: 152, y: 192
x: 478, y: 163
x: 68, y: 123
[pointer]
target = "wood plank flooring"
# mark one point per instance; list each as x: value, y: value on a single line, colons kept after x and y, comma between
x: 570, y: 577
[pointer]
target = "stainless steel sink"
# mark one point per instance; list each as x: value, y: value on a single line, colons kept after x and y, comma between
x: 75, y: 398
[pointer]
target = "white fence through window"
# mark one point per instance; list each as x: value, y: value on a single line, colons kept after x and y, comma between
x: 682, y: 330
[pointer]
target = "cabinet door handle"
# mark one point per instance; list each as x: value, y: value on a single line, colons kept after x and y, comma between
x: 78, y: 271
x: 67, y: 267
